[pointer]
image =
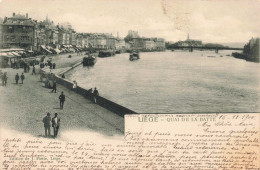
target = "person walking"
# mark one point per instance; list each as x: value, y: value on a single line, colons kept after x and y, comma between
x: 5, y: 79
x: 95, y: 94
x: 33, y: 71
x: 54, y: 87
x: 47, y: 124
x: 55, y: 125
x: 16, y: 78
x: 62, y: 100
x: 24, y: 67
x: 22, y: 78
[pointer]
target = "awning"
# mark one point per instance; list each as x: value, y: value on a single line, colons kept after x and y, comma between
x: 8, y: 55
x: 11, y: 50
x: 57, y: 50
x: 16, y: 54
x: 43, y: 46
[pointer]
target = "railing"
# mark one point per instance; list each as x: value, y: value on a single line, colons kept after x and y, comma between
x: 103, y: 102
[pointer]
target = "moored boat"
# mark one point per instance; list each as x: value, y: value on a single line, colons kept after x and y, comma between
x: 89, y: 60
x: 107, y: 53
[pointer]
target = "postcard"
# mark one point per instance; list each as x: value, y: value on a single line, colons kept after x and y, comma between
x: 133, y: 84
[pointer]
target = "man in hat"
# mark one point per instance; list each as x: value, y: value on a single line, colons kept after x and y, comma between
x: 47, y: 124
x: 54, y: 87
x: 22, y: 78
x: 33, y: 71
x: 55, y: 124
x: 16, y: 78
x: 62, y: 100
x: 4, y: 79
x: 95, y: 94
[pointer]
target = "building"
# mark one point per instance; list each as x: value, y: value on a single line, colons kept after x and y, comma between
x: 46, y: 34
x: 160, y: 44
x: 39, y: 37
x: 80, y: 41
x: 137, y: 43
x: 149, y: 44
x: 1, y: 30
x: 62, y: 37
x: 110, y: 42
x: 99, y: 41
x: 120, y: 44
x: 18, y: 31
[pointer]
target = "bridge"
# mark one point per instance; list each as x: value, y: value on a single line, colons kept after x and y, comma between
x: 191, y: 48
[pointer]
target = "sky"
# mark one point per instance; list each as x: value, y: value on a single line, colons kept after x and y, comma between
x: 213, y: 21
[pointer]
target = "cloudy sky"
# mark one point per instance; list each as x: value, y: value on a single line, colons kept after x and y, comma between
x: 220, y: 21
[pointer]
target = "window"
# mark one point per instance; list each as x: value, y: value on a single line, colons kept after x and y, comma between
x: 25, y: 29
x: 10, y: 29
x: 25, y: 38
x: 7, y: 38
x: 12, y: 38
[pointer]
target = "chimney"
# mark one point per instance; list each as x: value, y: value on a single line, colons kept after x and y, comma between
x: 13, y: 14
x: 26, y: 15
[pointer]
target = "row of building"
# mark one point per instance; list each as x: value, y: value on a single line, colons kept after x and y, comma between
x: 20, y: 31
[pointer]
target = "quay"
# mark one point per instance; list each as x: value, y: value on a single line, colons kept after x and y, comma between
x: 26, y: 104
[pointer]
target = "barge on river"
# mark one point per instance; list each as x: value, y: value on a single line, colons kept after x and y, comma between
x: 106, y: 53
x: 89, y: 60
x: 134, y: 56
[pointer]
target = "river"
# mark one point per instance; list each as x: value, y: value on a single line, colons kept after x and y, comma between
x: 175, y: 82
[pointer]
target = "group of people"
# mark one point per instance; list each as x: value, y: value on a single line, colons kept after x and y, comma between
x: 55, y: 122
x: 26, y: 68
x: 78, y: 52
x: 94, y: 94
x: 17, y: 77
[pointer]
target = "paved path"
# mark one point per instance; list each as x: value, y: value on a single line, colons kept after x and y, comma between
x: 23, y: 107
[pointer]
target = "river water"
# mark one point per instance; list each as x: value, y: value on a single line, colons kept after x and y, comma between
x: 175, y: 82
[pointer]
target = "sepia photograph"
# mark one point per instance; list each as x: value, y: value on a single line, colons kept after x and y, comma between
x: 129, y: 84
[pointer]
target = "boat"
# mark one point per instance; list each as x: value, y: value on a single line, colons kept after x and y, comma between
x: 106, y: 53
x: 89, y: 60
x: 134, y: 56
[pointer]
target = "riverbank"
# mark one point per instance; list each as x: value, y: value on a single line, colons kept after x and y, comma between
x: 23, y: 106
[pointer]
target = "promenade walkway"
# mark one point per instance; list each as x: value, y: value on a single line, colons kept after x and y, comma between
x: 23, y: 107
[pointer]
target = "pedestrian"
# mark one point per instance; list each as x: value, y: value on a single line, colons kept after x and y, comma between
x: 54, y: 87
x: 53, y: 65
x: 55, y: 125
x: 50, y: 64
x: 63, y: 76
x: 95, y: 94
x: 16, y: 78
x: 22, y: 78
x: 47, y: 124
x: 24, y: 67
x: 62, y: 100
x: 75, y: 84
x: 28, y: 68
x: 33, y: 71
x: 5, y: 78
